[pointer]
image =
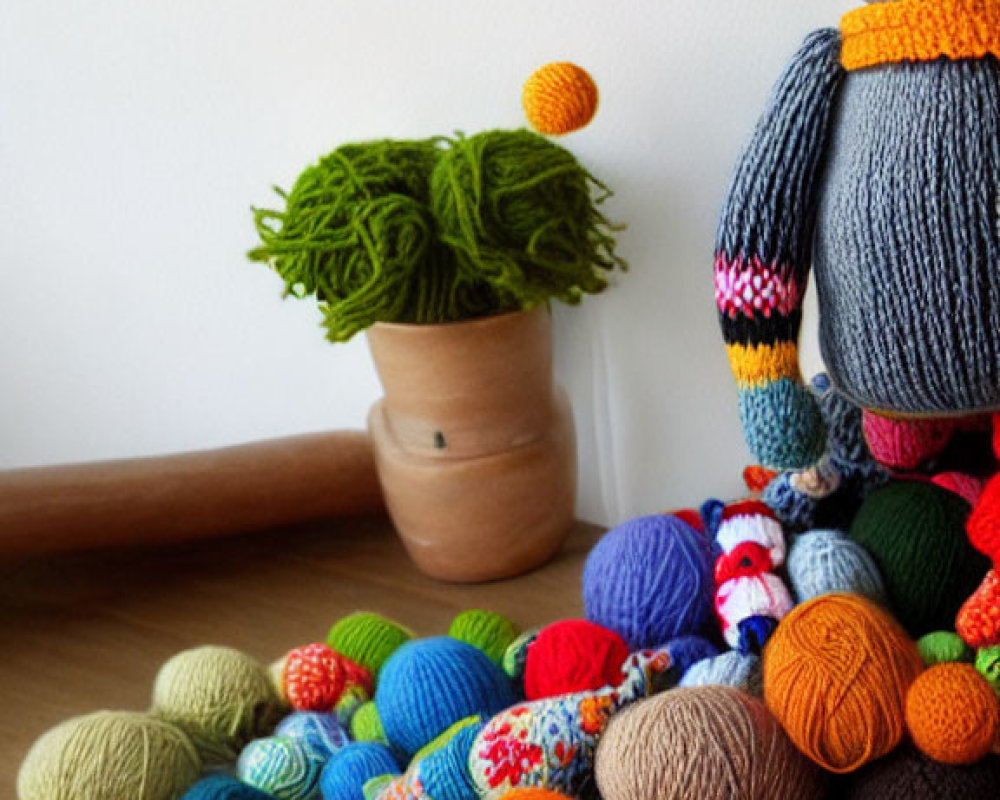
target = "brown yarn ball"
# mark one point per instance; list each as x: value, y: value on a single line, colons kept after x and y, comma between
x: 703, y: 742
x: 836, y: 673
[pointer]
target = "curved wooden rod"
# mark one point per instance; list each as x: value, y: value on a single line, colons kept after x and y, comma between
x: 188, y: 496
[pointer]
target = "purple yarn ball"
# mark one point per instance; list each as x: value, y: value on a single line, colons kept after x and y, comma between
x: 650, y: 580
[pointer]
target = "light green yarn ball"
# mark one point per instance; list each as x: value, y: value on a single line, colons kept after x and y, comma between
x: 366, y: 725
x: 942, y: 647
x: 988, y: 664
x: 367, y: 639
x: 221, y: 698
x: 492, y: 633
x: 109, y: 755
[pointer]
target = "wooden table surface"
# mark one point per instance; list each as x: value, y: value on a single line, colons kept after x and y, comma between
x: 84, y: 632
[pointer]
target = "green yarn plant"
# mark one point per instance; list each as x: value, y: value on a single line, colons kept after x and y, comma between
x: 438, y: 230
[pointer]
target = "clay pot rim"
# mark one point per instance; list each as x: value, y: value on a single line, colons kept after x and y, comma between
x: 490, y: 319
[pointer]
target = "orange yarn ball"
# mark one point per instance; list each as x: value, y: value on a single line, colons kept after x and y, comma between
x: 559, y: 98
x: 532, y: 793
x: 836, y: 672
x: 953, y: 714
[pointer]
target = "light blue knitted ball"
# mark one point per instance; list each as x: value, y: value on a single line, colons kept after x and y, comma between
x: 732, y: 668
x: 445, y: 774
x: 350, y: 768
x: 319, y: 732
x: 281, y: 767
x: 825, y: 561
x: 222, y: 787
x: 427, y: 685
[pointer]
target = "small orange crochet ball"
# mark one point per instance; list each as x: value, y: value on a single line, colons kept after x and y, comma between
x: 953, y: 714
x: 836, y: 673
x: 559, y: 98
x: 314, y: 676
x: 532, y: 793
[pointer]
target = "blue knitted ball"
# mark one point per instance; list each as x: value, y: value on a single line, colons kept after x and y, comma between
x: 445, y: 774
x: 222, y: 787
x: 318, y: 732
x: 282, y: 767
x: 686, y: 650
x: 428, y: 685
x: 732, y: 668
x: 825, y: 561
x: 650, y: 580
x: 350, y: 768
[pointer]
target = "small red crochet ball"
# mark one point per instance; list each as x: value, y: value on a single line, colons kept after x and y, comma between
x: 573, y: 655
x: 315, y: 676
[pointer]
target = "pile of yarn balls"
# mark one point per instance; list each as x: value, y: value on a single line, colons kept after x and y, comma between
x: 861, y: 690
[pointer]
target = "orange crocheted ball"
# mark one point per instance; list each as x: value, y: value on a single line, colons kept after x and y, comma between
x: 559, y: 98
x: 314, y: 677
x: 532, y: 793
x: 836, y: 672
x: 953, y: 714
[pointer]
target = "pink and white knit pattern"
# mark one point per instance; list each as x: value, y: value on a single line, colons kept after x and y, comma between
x: 753, y: 288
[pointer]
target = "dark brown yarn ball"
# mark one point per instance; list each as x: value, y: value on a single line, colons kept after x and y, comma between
x: 907, y: 774
x: 706, y: 743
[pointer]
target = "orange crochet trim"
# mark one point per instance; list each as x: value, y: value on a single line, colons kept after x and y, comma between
x: 919, y: 30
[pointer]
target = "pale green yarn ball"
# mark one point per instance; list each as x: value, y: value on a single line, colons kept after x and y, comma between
x: 492, y: 633
x: 942, y: 647
x: 367, y: 639
x: 366, y: 725
x: 109, y: 755
x: 220, y: 697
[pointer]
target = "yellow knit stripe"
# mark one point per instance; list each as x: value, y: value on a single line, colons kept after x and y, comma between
x: 919, y: 30
x: 756, y: 364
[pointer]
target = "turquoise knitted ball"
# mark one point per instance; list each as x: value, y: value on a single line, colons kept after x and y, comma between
x: 346, y: 773
x: 825, y: 561
x: 427, y: 685
x: 318, y: 732
x: 281, y: 767
x: 222, y: 787
x: 445, y: 774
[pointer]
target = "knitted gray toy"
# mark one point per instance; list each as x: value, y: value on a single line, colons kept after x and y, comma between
x: 876, y: 164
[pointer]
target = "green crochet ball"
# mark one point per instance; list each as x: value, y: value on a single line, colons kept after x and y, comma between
x: 490, y: 632
x: 915, y: 531
x: 367, y: 639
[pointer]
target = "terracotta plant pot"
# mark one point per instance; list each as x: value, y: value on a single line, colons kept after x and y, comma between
x: 474, y: 444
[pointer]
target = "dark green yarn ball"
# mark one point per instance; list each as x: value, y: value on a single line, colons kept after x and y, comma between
x: 519, y: 212
x: 915, y: 531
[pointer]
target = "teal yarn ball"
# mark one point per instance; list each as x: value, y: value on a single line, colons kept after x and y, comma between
x: 430, y: 684
x: 915, y: 532
x: 223, y: 787
x: 347, y: 772
x: 650, y: 580
x: 445, y: 774
x: 318, y: 732
x: 732, y: 668
x: 825, y: 561
x: 282, y: 767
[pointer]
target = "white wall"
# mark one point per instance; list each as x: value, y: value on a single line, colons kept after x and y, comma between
x: 135, y: 136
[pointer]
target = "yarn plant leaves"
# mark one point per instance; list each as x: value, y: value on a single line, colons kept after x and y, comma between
x: 432, y: 231
x: 520, y: 212
x: 358, y: 234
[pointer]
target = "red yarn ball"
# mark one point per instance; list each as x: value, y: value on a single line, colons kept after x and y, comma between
x: 573, y: 655
x: 315, y: 676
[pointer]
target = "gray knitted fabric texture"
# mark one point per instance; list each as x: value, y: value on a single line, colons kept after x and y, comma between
x: 907, y: 248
